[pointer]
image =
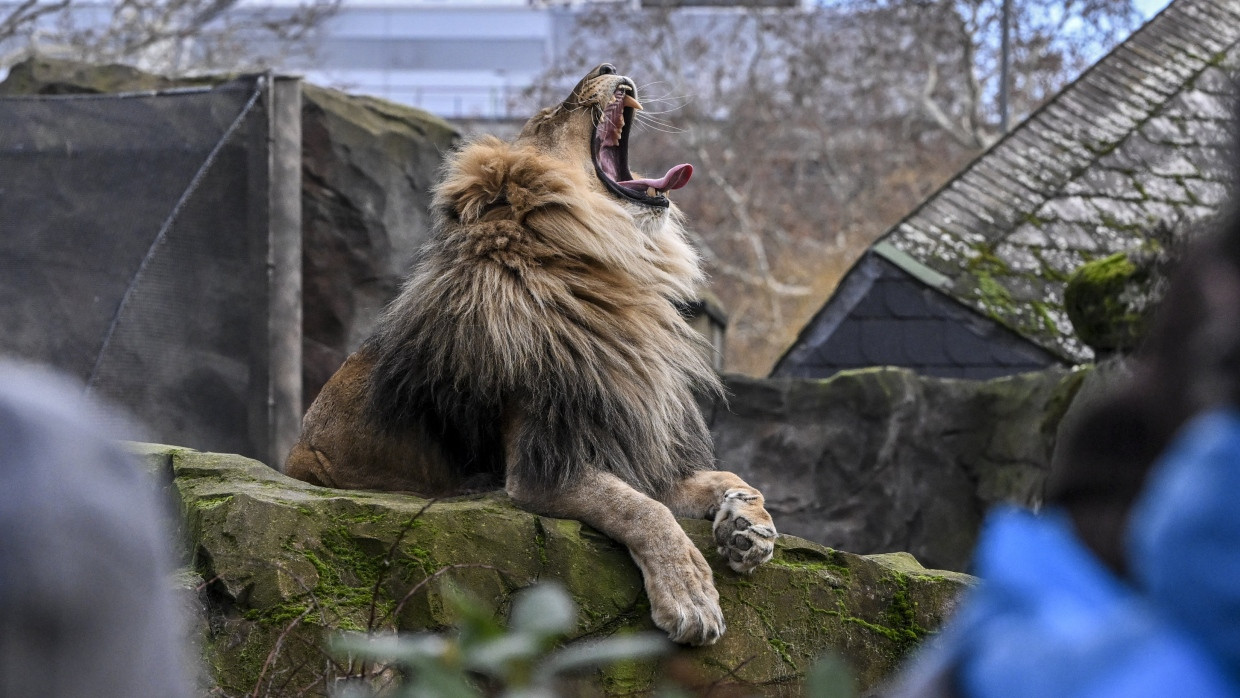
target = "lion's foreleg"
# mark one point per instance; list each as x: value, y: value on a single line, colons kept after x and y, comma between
x: 678, y: 581
x: 744, y: 531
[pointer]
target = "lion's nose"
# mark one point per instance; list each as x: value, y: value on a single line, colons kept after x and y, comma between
x: 605, y: 69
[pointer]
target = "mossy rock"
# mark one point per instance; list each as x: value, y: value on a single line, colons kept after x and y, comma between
x: 285, y: 564
x: 1109, y: 300
x: 51, y: 76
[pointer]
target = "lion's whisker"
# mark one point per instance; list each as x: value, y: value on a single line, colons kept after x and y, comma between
x: 656, y: 124
x: 649, y: 101
x: 661, y: 128
x: 673, y: 104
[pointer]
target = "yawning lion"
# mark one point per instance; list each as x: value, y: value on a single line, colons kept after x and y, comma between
x: 537, y: 345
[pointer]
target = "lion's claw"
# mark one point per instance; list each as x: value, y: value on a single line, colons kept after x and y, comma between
x: 744, y: 532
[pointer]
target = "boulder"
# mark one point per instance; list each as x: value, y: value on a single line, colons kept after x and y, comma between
x: 882, y: 460
x: 367, y: 170
x: 280, y: 565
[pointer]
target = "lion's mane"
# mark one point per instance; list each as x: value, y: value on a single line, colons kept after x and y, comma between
x: 542, y: 314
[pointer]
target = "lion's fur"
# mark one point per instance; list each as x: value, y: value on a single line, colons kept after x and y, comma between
x: 537, y: 345
x: 539, y: 318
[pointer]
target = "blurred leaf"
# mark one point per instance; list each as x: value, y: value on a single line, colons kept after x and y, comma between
x: 433, y: 680
x: 476, y: 620
x: 545, y: 610
x: 495, y: 657
x: 393, y: 649
x: 597, y: 653
x: 531, y: 692
x: 436, y: 665
x: 350, y: 688
x: 830, y: 677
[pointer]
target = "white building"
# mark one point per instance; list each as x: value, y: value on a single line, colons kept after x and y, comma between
x: 467, y: 60
x: 461, y: 60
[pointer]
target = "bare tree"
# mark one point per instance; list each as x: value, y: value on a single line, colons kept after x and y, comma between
x: 17, y: 18
x: 814, y: 130
x: 172, y: 37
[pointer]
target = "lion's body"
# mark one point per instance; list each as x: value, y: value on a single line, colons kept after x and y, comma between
x: 537, y: 346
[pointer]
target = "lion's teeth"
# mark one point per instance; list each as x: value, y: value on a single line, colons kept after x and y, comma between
x: 651, y: 192
x: 630, y: 101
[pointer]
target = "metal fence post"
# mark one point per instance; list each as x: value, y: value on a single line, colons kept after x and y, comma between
x: 284, y: 323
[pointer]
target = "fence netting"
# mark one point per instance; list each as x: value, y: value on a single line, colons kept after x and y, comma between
x: 134, y: 249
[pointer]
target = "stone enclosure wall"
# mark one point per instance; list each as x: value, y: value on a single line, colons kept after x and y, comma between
x: 883, y: 460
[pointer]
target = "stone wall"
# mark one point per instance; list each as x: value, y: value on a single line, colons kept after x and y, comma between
x: 880, y: 460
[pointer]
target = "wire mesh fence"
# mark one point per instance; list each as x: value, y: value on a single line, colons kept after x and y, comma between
x: 150, y: 246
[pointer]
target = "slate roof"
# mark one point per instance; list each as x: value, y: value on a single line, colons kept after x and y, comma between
x: 882, y: 316
x: 1141, y: 137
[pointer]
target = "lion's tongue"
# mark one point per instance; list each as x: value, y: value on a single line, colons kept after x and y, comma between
x: 675, y: 178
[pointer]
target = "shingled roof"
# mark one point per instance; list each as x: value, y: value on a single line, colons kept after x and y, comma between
x: 1141, y: 138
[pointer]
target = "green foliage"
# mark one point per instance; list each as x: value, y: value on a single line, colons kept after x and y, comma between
x: 520, y: 661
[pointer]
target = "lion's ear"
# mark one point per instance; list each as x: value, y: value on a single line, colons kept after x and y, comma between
x: 474, y: 179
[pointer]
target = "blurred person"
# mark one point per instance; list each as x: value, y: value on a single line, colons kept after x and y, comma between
x: 1126, y: 584
x: 86, y: 597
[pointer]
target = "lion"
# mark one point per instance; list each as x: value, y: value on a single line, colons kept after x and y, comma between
x: 537, y: 346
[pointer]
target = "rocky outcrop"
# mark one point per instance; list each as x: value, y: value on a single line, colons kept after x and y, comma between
x: 367, y: 169
x: 880, y: 460
x: 281, y: 564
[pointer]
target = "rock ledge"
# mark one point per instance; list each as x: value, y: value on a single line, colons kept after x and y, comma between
x: 273, y: 550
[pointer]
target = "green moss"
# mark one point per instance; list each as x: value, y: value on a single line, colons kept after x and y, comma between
x: 1042, y: 311
x: 898, y: 622
x: 838, y: 571
x: 416, y: 559
x: 901, y: 613
x: 985, y: 266
x: 781, y: 648
x: 1094, y: 301
x: 205, y: 503
x: 993, y: 295
x: 627, y: 678
x: 1035, y: 220
x: 540, y: 540
x: 348, y: 585
x: 367, y: 517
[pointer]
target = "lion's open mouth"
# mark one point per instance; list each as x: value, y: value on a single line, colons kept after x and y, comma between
x: 610, y: 148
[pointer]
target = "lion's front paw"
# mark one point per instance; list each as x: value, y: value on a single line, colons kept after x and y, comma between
x: 683, y: 599
x: 744, y: 530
